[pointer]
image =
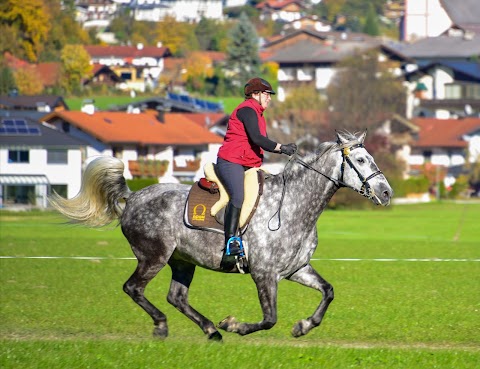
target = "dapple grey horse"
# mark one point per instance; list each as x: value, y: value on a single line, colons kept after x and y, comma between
x: 281, y: 237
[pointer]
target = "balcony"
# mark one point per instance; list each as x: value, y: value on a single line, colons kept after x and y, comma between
x: 147, y: 168
x: 189, y: 166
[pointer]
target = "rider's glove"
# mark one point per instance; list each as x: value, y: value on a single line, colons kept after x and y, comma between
x: 288, y: 149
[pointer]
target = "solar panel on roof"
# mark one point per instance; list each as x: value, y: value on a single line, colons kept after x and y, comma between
x: 18, y: 127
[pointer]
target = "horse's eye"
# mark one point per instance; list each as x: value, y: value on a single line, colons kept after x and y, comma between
x: 361, y: 160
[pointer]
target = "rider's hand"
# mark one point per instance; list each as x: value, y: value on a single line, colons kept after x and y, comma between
x: 288, y: 149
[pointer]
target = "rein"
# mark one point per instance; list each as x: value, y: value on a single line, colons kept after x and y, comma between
x: 365, y: 190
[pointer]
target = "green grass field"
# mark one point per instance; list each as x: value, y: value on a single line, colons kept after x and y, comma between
x: 410, y: 298
x: 107, y: 102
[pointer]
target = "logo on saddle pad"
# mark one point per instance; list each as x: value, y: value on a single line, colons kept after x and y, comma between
x: 199, y: 214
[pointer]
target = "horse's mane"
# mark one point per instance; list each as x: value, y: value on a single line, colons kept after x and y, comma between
x: 328, y: 146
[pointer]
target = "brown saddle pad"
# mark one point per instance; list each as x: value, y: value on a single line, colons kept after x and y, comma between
x: 202, y: 197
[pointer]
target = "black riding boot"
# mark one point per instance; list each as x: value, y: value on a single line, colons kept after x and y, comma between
x: 232, y: 216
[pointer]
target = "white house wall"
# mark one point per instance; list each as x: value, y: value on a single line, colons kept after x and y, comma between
x: 182, y: 10
x: 323, y: 77
x: 58, y: 174
x: 425, y: 18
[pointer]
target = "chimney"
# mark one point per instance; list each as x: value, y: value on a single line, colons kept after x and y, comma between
x: 88, y: 106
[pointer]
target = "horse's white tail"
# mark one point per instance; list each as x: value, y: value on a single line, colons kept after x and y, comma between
x: 96, y: 205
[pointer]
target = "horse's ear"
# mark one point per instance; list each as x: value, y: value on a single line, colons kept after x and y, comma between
x: 341, y: 139
x: 361, y: 138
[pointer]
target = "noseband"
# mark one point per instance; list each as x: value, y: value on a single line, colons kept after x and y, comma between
x: 366, y: 190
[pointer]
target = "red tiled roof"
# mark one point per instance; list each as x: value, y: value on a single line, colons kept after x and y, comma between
x: 277, y: 4
x: 444, y: 132
x: 49, y: 73
x: 144, y: 128
x: 127, y: 51
x: 206, y: 119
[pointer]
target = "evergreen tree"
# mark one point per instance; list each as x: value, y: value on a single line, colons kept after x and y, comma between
x: 7, y: 80
x: 371, y: 26
x: 242, y: 52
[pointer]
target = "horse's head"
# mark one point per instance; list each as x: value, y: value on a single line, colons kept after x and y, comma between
x: 359, y: 171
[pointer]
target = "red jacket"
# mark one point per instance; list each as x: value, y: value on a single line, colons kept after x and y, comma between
x: 236, y: 147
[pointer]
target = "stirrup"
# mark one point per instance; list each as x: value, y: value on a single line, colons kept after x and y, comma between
x: 231, y: 240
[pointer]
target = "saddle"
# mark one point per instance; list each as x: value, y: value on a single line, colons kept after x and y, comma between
x: 206, y: 202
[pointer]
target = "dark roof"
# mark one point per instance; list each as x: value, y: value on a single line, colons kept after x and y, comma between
x: 31, y: 102
x: 462, y: 12
x: 442, y: 47
x: 463, y: 70
x: 47, y: 137
x: 306, y: 51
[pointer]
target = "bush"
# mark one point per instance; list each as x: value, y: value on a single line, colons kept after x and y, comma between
x: 137, y: 184
x: 402, y: 187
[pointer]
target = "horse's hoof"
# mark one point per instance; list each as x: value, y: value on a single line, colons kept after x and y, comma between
x: 215, y: 337
x: 300, y: 329
x: 160, y: 332
x: 228, y: 324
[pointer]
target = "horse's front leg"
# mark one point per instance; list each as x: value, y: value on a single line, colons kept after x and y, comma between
x: 267, y: 293
x: 307, y: 276
x: 182, y: 275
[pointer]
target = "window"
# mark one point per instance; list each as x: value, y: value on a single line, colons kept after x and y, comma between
x: 57, y: 157
x: 60, y: 189
x: 461, y: 90
x: 427, y: 155
x: 18, y: 156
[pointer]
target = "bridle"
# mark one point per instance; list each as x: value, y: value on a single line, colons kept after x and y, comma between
x: 366, y: 190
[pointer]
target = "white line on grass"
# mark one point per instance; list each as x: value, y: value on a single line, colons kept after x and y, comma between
x: 132, y: 258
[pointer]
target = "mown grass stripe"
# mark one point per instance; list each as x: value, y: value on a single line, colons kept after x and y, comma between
x: 337, y: 259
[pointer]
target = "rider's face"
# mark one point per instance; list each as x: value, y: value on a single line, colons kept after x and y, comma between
x: 263, y: 98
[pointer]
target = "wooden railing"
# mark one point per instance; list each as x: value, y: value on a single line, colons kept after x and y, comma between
x: 191, y: 166
x: 147, y: 168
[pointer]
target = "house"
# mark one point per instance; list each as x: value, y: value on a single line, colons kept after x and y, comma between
x: 444, y: 81
x: 103, y: 75
x: 41, y: 103
x: 444, y: 89
x: 139, y: 66
x: 36, y: 159
x: 95, y: 13
x: 49, y: 73
x: 181, y: 10
x: 448, y: 143
x: 309, y: 58
x: 281, y: 10
x: 432, y: 18
x: 172, y: 142
x: 308, y: 21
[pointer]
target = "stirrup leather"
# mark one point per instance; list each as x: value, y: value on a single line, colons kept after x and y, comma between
x: 240, y: 245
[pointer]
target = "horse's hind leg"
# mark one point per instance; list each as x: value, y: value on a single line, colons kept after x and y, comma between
x: 307, y: 276
x: 182, y: 275
x: 135, y: 287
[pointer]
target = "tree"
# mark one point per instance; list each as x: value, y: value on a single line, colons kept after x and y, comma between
x: 7, y: 80
x: 363, y: 92
x: 28, y: 82
x: 242, y: 51
x: 371, y: 26
x: 198, y: 68
x: 31, y: 21
x: 177, y: 36
x: 75, y: 67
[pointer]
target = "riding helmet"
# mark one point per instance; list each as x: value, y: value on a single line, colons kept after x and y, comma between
x: 257, y: 85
